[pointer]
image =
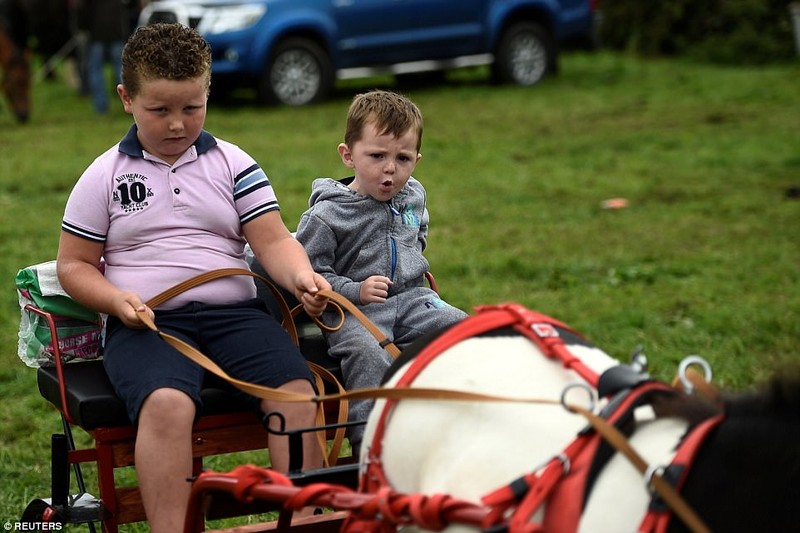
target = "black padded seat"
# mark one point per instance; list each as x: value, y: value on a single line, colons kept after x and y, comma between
x: 93, y: 404
x: 90, y: 399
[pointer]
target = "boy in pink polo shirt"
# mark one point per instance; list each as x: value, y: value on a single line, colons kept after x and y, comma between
x: 168, y: 202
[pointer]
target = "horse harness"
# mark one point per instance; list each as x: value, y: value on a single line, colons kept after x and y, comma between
x: 513, y: 506
x: 565, y: 481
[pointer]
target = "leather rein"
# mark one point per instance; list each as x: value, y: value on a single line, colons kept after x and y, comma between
x: 516, y: 316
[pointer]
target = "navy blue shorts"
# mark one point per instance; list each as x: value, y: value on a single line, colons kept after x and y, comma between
x: 243, y: 339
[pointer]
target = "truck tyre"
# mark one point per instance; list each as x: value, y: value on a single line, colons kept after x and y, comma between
x: 525, y: 54
x: 298, y: 73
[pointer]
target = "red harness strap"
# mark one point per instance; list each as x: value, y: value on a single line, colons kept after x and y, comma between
x: 658, y: 515
x: 529, y: 492
x: 541, y: 329
x: 381, y: 512
x: 563, y: 479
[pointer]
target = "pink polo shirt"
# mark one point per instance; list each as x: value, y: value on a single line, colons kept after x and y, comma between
x: 162, y: 224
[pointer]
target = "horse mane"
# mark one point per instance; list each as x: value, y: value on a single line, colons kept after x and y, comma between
x: 692, y: 409
x: 746, y: 476
x: 779, y: 397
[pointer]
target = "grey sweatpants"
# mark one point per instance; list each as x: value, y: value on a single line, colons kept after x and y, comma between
x: 403, y: 318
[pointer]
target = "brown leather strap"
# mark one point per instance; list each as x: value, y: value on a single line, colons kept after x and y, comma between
x: 286, y: 313
x: 700, y: 385
x: 288, y: 324
x: 320, y: 374
x: 616, y: 439
x: 344, y: 407
x: 260, y: 391
x: 199, y: 358
x: 269, y: 393
x: 343, y: 302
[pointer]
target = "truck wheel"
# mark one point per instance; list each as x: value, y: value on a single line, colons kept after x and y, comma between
x: 524, y: 55
x: 298, y: 73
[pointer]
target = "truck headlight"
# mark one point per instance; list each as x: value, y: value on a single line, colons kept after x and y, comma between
x: 231, y: 18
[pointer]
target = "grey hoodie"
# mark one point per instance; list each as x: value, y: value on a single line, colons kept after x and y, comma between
x: 349, y: 236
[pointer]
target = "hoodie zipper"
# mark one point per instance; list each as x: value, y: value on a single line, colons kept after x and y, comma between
x: 392, y: 242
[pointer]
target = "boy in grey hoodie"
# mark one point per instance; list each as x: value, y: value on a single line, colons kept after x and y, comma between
x: 366, y: 234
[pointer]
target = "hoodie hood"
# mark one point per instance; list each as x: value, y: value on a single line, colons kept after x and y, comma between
x: 323, y: 189
x: 330, y: 189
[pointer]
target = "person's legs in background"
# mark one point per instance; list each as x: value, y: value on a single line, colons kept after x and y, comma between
x: 95, y: 54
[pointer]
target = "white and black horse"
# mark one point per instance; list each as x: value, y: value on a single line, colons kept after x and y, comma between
x: 744, y: 474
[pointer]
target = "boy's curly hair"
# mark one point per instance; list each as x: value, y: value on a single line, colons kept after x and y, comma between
x: 164, y: 51
x: 391, y: 113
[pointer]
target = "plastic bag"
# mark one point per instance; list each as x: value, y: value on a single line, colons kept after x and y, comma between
x: 79, y: 329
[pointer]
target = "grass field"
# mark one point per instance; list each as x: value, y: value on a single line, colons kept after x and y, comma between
x: 704, y: 260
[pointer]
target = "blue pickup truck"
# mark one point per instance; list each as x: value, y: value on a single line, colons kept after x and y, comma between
x: 293, y: 51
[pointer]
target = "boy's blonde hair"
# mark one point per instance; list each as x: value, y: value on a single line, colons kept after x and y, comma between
x: 391, y: 113
x: 164, y: 51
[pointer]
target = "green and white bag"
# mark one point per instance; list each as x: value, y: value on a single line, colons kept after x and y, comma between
x: 78, y: 328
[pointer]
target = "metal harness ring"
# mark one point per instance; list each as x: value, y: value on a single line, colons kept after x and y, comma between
x: 590, y: 391
x: 684, y: 365
x: 651, y: 471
